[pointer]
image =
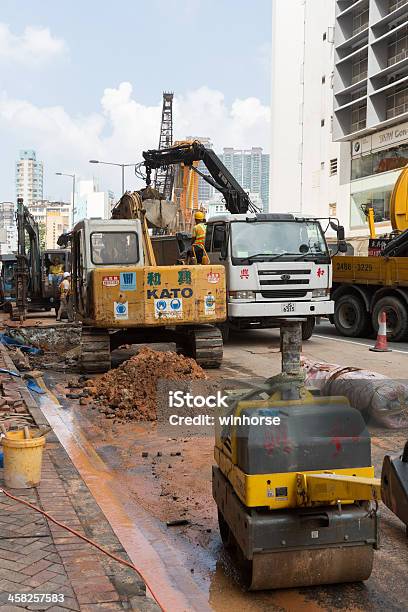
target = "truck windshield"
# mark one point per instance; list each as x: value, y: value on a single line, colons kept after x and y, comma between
x: 114, y: 248
x: 277, y: 239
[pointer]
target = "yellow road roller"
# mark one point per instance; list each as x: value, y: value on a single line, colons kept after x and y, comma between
x: 294, y: 484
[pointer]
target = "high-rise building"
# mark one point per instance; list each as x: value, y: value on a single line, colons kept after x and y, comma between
x: 251, y: 169
x: 53, y: 218
x: 205, y: 190
x: 8, y: 229
x: 29, y: 177
x: 339, y: 125
x: 90, y: 202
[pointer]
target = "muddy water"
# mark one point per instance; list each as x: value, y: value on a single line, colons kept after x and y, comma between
x: 191, y: 558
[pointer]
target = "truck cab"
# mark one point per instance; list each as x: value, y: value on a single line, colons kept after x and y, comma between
x: 276, y: 265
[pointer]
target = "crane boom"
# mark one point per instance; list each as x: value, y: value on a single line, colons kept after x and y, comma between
x: 237, y: 201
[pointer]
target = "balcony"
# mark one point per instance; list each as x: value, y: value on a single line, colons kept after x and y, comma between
x: 399, y: 57
x: 396, y: 4
x: 347, y: 7
x: 397, y: 111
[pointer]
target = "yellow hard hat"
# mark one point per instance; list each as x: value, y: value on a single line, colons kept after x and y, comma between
x: 199, y: 215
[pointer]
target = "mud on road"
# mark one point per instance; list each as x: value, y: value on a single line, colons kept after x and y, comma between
x: 170, y: 478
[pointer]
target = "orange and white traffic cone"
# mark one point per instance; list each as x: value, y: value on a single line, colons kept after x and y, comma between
x: 381, y: 345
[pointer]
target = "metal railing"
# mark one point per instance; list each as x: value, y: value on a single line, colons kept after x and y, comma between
x: 397, y: 110
x: 397, y: 58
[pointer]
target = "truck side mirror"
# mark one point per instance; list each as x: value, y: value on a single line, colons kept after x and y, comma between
x: 224, y: 250
x: 342, y: 246
x: 340, y: 233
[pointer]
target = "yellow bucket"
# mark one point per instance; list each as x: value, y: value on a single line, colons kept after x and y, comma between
x: 22, y: 460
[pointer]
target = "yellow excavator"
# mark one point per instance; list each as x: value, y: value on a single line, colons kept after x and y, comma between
x: 122, y: 296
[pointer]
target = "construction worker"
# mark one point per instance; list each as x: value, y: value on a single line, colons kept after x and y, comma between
x: 66, y: 298
x: 198, y: 235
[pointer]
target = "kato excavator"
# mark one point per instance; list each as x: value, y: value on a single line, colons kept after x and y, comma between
x: 122, y: 296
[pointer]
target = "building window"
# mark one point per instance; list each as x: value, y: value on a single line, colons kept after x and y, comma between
x: 321, y: 165
x: 397, y: 101
x: 324, y: 35
x: 381, y: 161
x: 323, y: 79
x: 333, y: 209
x: 358, y: 117
x: 322, y: 123
x: 398, y: 46
x: 359, y: 66
x: 333, y: 166
x: 360, y: 21
x: 378, y: 199
x: 395, y: 4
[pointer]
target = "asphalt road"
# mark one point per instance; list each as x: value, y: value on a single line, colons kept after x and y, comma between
x: 328, y: 331
x: 178, y: 484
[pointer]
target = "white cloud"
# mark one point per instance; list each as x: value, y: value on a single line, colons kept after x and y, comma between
x: 33, y: 47
x: 123, y: 128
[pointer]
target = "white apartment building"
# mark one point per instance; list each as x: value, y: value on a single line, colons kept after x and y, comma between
x: 8, y: 228
x: 29, y: 177
x: 250, y: 167
x: 90, y: 202
x: 339, y: 108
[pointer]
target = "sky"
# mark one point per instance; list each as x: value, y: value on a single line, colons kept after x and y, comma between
x: 84, y: 80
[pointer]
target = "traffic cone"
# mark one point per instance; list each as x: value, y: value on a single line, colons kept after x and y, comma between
x: 381, y: 345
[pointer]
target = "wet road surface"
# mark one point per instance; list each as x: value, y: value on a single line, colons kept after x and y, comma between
x: 143, y: 493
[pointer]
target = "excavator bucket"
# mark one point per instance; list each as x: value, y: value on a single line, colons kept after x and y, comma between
x: 160, y: 213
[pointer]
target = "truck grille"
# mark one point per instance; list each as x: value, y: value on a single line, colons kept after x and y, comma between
x: 284, y: 294
x: 280, y: 272
x: 291, y: 281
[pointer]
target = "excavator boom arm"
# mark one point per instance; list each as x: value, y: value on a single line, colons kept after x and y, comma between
x: 236, y: 199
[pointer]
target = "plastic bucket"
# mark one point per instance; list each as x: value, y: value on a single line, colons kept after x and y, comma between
x: 22, y: 460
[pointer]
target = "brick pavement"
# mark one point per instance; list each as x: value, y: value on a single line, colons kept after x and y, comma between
x: 37, y: 556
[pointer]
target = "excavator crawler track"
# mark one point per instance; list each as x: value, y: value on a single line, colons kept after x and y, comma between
x: 206, y: 346
x: 95, y: 350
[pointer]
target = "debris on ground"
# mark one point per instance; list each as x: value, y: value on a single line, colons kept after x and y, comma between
x: 58, y: 338
x: 130, y: 391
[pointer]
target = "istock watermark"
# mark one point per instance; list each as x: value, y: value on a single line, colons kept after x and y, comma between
x: 179, y: 399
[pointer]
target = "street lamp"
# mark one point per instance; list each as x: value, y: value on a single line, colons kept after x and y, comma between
x: 123, y: 166
x: 73, y: 191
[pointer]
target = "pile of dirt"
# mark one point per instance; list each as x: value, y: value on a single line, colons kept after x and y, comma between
x: 130, y: 391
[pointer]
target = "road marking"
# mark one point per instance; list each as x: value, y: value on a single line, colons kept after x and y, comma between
x: 336, y: 339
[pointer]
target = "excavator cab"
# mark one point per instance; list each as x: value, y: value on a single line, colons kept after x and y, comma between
x: 98, y: 249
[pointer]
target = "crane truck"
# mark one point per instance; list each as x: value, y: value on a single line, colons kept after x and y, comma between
x: 363, y: 287
x: 276, y: 265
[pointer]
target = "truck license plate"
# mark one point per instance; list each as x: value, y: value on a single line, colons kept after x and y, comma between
x: 289, y: 307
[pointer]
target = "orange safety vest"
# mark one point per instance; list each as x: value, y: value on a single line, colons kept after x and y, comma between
x: 199, y: 232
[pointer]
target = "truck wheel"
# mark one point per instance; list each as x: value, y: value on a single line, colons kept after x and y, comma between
x: 351, y: 317
x: 397, y: 317
x: 308, y: 328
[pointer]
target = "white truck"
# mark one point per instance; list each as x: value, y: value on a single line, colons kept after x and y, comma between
x: 277, y: 265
